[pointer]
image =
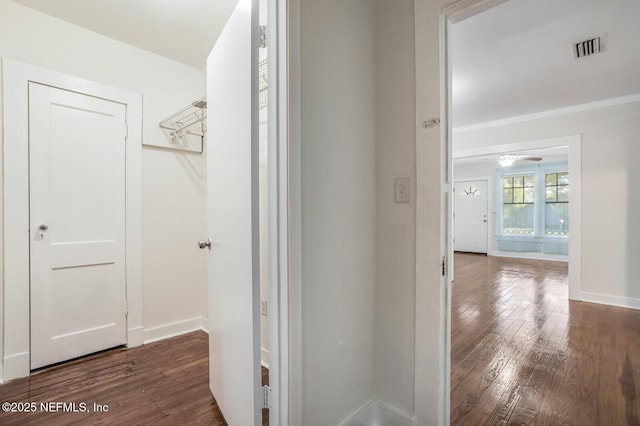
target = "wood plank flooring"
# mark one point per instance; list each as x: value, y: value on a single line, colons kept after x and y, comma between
x: 523, y: 354
x: 162, y: 383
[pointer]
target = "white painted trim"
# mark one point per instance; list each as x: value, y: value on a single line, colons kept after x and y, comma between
x: 471, y: 179
x: 204, y: 324
x: 15, y: 364
x: 393, y: 409
x: 372, y: 403
x: 357, y: 411
x: 529, y: 255
x: 135, y: 336
x: 606, y: 299
x: 264, y: 357
x: 294, y: 304
x: 463, y: 9
x: 606, y: 103
x: 575, y: 218
x: 277, y: 358
x: 173, y: 329
x: 16, y: 76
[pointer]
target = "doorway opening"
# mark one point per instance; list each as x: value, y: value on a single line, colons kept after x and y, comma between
x: 526, y: 218
x: 515, y: 210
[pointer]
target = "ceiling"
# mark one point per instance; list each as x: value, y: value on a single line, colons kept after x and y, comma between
x: 548, y: 155
x: 511, y: 60
x: 183, y: 30
x: 516, y: 58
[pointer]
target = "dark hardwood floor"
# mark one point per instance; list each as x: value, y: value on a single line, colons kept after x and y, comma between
x: 162, y: 383
x: 523, y: 354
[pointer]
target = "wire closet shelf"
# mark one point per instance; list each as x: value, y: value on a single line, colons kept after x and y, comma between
x: 190, y: 120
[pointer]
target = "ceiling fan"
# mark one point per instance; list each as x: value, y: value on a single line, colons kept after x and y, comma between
x: 506, y: 160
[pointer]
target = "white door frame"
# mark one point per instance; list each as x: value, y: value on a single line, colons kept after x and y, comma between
x: 16, y: 76
x: 434, y: 244
x: 278, y: 210
x: 292, y: 182
x: 424, y: 383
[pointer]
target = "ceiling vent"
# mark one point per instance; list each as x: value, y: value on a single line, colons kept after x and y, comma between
x: 588, y: 47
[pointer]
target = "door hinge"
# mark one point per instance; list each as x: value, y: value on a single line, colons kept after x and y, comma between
x: 126, y: 132
x: 266, y: 397
x: 263, y: 36
x: 126, y: 308
x: 444, y: 265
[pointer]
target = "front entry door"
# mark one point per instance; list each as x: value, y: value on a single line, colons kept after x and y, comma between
x: 470, y: 216
x: 77, y: 224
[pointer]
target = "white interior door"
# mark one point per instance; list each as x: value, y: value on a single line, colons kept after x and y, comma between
x: 470, y: 220
x: 77, y: 224
x: 233, y: 218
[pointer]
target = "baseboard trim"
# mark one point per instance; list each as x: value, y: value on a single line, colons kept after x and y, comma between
x: 135, y: 337
x: 204, y: 324
x: 396, y: 410
x: 166, y: 331
x: 16, y: 366
x: 528, y: 255
x: 360, y: 409
x: 371, y: 405
x: 606, y: 299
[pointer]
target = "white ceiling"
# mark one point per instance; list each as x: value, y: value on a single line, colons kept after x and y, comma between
x: 183, y: 30
x: 548, y: 155
x: 515, y: 58
x: 511, y: 60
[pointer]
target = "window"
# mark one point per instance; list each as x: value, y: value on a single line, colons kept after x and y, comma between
x: 518, y: 196
x: 556, y: 217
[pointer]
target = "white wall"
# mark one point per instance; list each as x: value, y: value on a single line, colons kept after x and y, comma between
x: 395, y: 223
x: 610, y: 200
x: 174, y: 271
x: 338, y: 207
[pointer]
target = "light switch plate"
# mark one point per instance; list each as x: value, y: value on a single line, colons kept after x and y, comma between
x: 402, y: 190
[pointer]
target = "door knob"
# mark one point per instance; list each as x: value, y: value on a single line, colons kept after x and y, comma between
x: 41, y: 229
x: 205, y: 244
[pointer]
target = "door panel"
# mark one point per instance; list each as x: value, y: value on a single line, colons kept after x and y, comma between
x: 77, y: 193
x: 470, y: 222
x: 232, y: 219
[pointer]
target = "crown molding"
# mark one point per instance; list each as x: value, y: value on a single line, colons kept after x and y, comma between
x: 606, y: 103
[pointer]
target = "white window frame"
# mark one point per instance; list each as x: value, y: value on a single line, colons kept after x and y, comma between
x: 539, y: 171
